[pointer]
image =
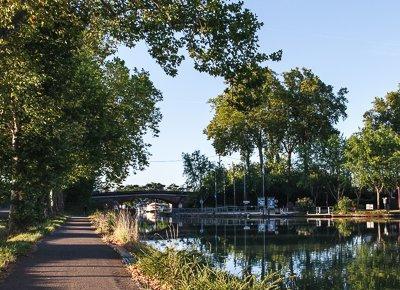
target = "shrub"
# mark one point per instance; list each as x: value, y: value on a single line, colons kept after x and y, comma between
x: 125, y: 230
x: 305, y: 204
x: 104, y: 221
x: 120, y: 227
x: 344, y: 205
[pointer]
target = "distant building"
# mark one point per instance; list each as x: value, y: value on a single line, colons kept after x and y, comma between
x: 159, y: 207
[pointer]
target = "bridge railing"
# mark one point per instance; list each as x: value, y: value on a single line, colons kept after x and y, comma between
x: 323, y: 210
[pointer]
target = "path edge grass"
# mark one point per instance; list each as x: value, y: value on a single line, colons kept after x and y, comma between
x: 21, y: 244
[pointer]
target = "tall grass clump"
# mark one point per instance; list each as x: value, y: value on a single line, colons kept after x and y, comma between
x: 189, y: 270
x: 119, y: 227
x: 104, y: 222
x: 126, y: 228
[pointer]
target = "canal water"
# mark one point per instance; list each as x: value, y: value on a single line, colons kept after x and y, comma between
x: 309, y: 254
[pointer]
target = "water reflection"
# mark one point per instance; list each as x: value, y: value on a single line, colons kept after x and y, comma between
x: 320, y: 254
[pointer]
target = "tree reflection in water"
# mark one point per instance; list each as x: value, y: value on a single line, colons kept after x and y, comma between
x: 339, y: 254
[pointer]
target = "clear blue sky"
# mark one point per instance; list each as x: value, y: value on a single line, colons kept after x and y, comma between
x: 353, y: 44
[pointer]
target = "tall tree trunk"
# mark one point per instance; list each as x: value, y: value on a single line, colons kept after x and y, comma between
x: 378, y: 197
x: 358, y: 195
x: 306, y: 160
x: 289, y: 163
x: 261, y: 157
x: 246, y: 177
x: 15, y: 196
x: 56, y: 201
x: 398, y: 197
x: 289, y: 173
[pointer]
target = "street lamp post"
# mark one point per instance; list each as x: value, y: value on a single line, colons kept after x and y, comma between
x: 234, y: 186
x: 263, y: 186
x: 215, y: 189
x: 245, y: 201
x: 224, y: 184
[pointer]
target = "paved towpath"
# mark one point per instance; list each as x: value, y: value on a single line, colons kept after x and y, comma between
x: 73, y: 257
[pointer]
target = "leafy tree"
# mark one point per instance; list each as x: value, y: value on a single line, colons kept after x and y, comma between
x: 229, y: 130
x: 154, y: 186
x: 64, y: 108
x: 385, y: 111
x: 329, y: 156
x: 344, y: 205
x: 312, y: 109
x: 242, y: 115
x: 195, y: 168
x: 307, y: 110
x: 373, y: 158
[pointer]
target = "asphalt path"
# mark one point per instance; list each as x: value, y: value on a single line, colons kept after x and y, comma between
x: 73, y: 257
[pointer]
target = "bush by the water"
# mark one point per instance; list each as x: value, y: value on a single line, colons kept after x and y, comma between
x: 305, y: 204
x: 344, y: 205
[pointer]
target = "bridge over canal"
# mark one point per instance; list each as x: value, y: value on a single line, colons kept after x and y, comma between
x: 173, y: 197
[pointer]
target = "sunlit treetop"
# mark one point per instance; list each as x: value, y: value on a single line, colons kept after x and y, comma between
x: 385, y: 111
x: 220, y: 36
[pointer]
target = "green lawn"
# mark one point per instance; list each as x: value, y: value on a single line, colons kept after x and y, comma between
x: 11, y: 247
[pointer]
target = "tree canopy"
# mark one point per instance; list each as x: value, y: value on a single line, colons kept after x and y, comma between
x: 71, y: 111
x: 373, y: 158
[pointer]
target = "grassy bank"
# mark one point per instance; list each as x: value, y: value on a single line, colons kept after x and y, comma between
x: 172, y: 269
x: 11, y: 247
x: 384, y: 214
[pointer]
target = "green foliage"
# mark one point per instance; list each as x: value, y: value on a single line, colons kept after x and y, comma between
x: 385, y: 111
x: 189, y: 270
x: 344, y: 205
x: 104, y: 222
x: 72, y: 112
x: 345, y: 228
x: 283, y: 119
x: 305, y: 204
x: 373, y: 158
x: 374, y: 268
x: 195, y: 167
x: 11, y: 247
x: 120, y: 227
